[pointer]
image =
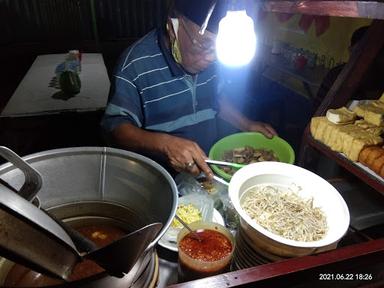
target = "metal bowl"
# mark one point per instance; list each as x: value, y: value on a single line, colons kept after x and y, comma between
x: 324, y: 196
x: 92, y: 182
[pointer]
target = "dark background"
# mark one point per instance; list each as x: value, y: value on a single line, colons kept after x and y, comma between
x: 29, y: 28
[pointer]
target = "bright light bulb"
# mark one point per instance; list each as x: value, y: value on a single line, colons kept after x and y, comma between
x: 236, y: 39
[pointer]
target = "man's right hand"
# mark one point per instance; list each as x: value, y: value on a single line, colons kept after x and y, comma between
x: 182, y: 154
x: 185, y: 155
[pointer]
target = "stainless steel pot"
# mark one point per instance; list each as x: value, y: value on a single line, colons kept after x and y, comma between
x: 102, y: 184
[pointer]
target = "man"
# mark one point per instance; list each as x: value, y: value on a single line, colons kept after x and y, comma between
x: 165, y: 95
x: 371, y: 85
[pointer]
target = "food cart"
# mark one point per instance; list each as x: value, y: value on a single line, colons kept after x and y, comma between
x: 358, y: 261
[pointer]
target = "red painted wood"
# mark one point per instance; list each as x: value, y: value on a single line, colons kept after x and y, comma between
x: 286, y: 267
x: 363, y: 9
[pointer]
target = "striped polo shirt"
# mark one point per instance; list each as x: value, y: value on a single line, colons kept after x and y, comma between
x: 151, y: 91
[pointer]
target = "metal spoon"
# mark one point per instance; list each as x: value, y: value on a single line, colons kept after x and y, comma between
x: 193, y: 232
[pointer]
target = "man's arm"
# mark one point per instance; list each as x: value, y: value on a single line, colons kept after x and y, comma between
x: 178, y: 151
x: 230, y: 114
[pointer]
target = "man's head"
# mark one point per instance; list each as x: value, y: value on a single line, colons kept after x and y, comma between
x: 193, y: 51
x: 197, y: 10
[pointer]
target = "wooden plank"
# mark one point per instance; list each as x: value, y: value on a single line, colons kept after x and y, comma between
x: 350, y: 77
x: 343, y: 89
x: 284, y: 268
x: 342, y: 161
x: 363, y: 9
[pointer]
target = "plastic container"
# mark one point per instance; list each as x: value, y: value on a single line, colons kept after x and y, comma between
x: 203, y: 203
x: 216, y: 248
x: 283, y: 150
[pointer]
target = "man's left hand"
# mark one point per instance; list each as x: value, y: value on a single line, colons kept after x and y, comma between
x: 263, y: 128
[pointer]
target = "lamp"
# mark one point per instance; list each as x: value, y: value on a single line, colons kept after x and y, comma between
x: 236, y: 39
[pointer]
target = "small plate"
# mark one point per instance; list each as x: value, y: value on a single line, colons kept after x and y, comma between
x: 171, y: 245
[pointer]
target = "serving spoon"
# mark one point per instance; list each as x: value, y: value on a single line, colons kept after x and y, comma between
x: 193, y: 232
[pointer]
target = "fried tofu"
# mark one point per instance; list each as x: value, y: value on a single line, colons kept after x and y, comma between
x: 372, y: 112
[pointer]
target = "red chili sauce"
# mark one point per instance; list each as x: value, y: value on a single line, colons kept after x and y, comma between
x: 101, y: 235
x: 211, y: 245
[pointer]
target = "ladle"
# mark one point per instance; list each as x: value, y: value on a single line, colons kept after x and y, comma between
x: 31, y: 237
x: 121, y: 255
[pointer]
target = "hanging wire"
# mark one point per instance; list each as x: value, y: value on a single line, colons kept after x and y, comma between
x: 205, y: 23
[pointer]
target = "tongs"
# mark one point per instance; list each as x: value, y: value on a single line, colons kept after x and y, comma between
x: 223, y: 163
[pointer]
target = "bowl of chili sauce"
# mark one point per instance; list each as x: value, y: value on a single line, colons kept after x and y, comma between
x: 206, y: 252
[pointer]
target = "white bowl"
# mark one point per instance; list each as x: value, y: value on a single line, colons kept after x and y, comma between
x: 325, y: 196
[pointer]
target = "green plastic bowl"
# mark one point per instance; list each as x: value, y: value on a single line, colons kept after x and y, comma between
x: 256, y: 140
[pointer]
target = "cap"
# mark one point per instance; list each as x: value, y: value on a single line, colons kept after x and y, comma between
x: 197, y: 11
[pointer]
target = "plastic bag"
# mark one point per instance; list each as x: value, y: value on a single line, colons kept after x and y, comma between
x: 187, y: 184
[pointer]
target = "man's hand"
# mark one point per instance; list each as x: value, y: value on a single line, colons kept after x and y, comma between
x: 185, y: 155
x: 182, y: 154
x: 230, y: 114
x: 263, y: 128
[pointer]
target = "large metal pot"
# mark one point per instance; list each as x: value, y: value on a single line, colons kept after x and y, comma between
x: 95, y: 184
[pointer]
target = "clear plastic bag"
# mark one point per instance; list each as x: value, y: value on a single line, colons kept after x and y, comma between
x: 200, y: 202
x: 187, y: 184
x: 231, y: 217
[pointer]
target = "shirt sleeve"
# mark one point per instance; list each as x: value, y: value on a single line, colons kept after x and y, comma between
x: 124, y: 104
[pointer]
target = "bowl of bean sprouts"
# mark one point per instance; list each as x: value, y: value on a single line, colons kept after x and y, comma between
x: 287, y: 210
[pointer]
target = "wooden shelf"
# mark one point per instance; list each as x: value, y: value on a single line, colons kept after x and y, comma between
x: 373, y: 180
x: 341, y: 92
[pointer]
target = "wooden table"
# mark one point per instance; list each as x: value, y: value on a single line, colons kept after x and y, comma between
x: 33, y: 96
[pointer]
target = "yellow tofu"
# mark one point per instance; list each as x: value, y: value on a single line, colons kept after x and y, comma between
x: 314, y: 125
x: 364, y: 124
x: 339, y: 138
x: 369, y: 127
x: 378, y: 104
x: 359, y: 110
x: 347, y: 138
x: 381, y: 99
x: 359, y: 143
x: 340, y: 115
x: 375, y: 116
x: 355, y: 149
x: 333, y: 139
x: 319, y: 127
x: 376, y: 131
x: 371, y: 112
